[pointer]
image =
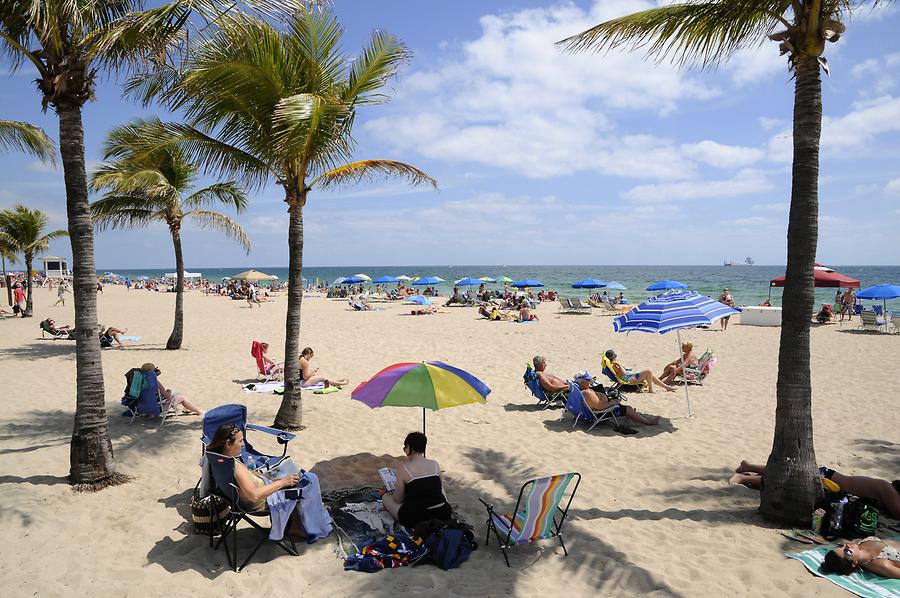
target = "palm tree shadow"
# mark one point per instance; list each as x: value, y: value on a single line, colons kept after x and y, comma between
x: 881, y: 454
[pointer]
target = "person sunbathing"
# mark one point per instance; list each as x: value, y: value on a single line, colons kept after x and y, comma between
x: 419, y: 493
x: 549, y: 382
x: 525, y: 314
x: 171, y: 399
x: 270, y: 366
x: 53, y: 327
x: 881, y: 557
x: 498, y: 314
x: 886, y: 493
x: 310, y: 377
x: 108, y: 335
x: 597, y: 401
x: 674, y: 369
x: 630, y: 377
x: 359, y: 304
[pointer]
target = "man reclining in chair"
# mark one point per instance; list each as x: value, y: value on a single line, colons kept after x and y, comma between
x: 550, y: 383
x: 598, y: 401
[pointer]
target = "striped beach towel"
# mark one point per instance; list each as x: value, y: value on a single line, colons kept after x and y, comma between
x: 861, y: 583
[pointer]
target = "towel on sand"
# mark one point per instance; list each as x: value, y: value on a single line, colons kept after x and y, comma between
x: 861, y: 583
x: 276, y: 387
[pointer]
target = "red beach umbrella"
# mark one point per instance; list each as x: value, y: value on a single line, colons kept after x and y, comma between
x: 824, y: 278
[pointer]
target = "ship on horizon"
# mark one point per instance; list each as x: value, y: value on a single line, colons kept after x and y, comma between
x: 747, y: 262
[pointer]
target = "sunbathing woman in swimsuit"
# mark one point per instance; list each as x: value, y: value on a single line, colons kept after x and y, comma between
x: 881, y: 557
x: 308, y: 375
x: 419, y: 495
x: 270, y: 365
x: 629, y: 377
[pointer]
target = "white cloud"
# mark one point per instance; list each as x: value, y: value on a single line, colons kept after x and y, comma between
x: 856, y: 129
x: 723, y: 156
x: 512, y: 99
x: 893, y: 187
x: 753, y: 64
x: 747, y: 182
x: 751, y: 221
x: 770, y: 123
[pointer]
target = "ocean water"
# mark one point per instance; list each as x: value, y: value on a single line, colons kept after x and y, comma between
x: 748, y: 284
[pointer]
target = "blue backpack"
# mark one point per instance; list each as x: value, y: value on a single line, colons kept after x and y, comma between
x: 450, y: 547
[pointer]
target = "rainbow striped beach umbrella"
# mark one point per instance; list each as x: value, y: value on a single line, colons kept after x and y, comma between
x: 427, y: 384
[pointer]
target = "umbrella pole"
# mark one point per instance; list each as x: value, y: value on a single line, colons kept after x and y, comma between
x: 684, y: 375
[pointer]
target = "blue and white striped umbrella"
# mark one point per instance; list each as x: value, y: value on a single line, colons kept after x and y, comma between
x: 672, y: 311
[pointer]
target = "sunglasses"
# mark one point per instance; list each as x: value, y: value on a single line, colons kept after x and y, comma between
x: 848, y: 552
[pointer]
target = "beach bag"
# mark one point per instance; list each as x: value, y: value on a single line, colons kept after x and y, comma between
x: 450, y: 547
x: 860, y: 518
x: 203, y: 512
x: 833, y: 504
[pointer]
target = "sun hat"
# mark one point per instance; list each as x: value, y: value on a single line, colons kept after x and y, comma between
x: 148, y: 367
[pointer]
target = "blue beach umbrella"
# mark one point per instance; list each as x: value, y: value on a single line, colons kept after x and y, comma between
x: 665, y: 285
x: 616, y: 285
x: 420, y: 300
x: 588, y: 283
x: 527, y: 282
x: 673, y: 311
x: 881, y: 291
x: 386, y: 279
x: 468, y: 282
x: 428, y: 280
x: 353, y: 280
x: 486, y: 279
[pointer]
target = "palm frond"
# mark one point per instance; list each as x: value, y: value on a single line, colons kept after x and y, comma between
x: 377, y: 63
x: 703, y: 34
x: 222, y: 223
x: 123, y: 211
x: 350, y: 174
x: 217, y: 156
x: 22, y: 230
x: 228, y: 193
x: 19, y: 136
x: 305, y: 124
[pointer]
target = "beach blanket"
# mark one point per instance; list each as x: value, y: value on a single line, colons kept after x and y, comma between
x: 130, y: 338
x: 276, y: 387
x: 861, y: 583
x: 352, y: 532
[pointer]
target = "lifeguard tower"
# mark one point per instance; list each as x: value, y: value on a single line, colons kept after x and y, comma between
x: 56, y: 267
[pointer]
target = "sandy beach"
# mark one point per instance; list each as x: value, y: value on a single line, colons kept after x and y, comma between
x: 654, y: 514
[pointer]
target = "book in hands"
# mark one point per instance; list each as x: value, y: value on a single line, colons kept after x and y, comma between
x: 389, y: 477
x: 283, y: 469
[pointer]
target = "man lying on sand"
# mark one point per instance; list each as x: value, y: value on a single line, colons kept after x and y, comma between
x: 886, y: 493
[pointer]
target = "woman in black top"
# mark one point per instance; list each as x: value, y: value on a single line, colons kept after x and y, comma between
x: 419, y: 494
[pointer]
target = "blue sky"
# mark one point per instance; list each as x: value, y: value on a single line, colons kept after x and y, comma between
x: 548, y: 158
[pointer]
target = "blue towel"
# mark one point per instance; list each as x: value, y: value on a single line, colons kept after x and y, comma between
x: 315, y: 519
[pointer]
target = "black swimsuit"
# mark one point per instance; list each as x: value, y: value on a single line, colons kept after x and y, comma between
x: 424, y: 500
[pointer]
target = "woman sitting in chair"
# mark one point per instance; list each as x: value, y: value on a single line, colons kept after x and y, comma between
x: 629, y: 377
x: 673, y: 369
x: 419, y: 494
x: 253, y: 489
x: 270, y: 366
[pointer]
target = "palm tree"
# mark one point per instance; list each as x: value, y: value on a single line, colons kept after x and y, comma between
x: 146, y: 186
x: 265, y: 104
x: 28, y: 138
x: 22, y: 231
x: 706, y: 33
x: 7, y: 255
x: 69, y: 43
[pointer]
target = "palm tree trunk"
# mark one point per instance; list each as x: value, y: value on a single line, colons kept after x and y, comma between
x: 174, y: 341
x: 90, y: 454
x: 791, y: 485
x: 290, y: 413
x: 29, y: 304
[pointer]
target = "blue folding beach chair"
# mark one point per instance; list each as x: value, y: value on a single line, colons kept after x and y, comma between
x: 142, y: 395
x: 534, y: 385
x: 237, y: 414
x: 576, y: 405
x: 224, y: 486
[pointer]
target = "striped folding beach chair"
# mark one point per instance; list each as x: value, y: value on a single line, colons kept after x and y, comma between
x: 541, y: 516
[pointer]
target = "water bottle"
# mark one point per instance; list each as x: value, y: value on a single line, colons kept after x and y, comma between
x: 837, y: 517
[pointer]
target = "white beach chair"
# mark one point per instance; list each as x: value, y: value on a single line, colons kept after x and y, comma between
x: 868, y: 320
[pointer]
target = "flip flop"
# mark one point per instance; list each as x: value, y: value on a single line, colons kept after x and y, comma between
x: 793, y: 535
